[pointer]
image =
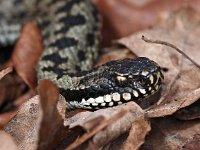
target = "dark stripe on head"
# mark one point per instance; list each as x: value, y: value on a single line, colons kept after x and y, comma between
x: 68, y: 5
x: 71, y: 21
x: 55, y: 58
x: 59, y: 72
x: 90, y: 39
x: 81, y: 55
x: 64, y: 43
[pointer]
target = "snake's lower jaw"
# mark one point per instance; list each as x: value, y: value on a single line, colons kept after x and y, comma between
x: 110, y: 100
x: 116, y: 98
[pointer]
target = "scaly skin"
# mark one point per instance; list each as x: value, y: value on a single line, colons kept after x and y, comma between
x: 71, y: 31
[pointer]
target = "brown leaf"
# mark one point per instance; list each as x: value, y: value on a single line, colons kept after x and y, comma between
x: 36, y: 126
x: 137, y: 135
x: 7, y: 142
x: 113, y: 131
x: 2, y: 74
x: 114, y: 54
x: 51, y: 130
x: 8, y: 115
x: 181, y: 85
x: 193, y: 143
x: 25, y: 125
x: 175, y: 104
x: 11, y: 87
x: 26, y: 53
x: 124, y: 17
x: 189, y: 112
x: 5, y: 72
x: 171, y: 134
x: 95, y: 129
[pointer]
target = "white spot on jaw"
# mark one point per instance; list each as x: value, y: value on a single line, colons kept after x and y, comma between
x: 94, y: 104
x: 107, y: 98
x: 83, y: 100
x: 149, y: 88
x: 91, y: 100
x: 99, y: 99
x: 143, y: 91
x: 86, y: 103
x: 157, y: 87
x: 126, y: 96
x: 76, y: 104
x: 156, y: 81
x: 135, y: 93
x: 119, y: 103
x: 103, y: 104
x: 151, y: 79
x: 144, y: 73
x: 158, y: 75
x: 121, y: 78
x: 116, y: 96
x: 111, y: 104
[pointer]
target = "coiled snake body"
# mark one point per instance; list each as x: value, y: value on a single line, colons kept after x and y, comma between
x: 71, y: 34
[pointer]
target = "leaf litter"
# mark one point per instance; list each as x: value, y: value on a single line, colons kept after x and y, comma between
x: 39, y: 122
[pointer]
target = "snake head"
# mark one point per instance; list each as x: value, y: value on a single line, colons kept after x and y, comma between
x: 140, y: 77
x: 118, y: 82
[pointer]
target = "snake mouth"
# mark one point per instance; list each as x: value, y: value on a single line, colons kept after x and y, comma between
x: 118, y: 82
x: 122, y: 95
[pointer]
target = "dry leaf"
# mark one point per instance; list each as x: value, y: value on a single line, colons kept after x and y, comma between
x: 113, y: 131
x: 5, y: 72
x: 26, y: 53
x: 193, y: 143
x: 11, y: 87
x: 52, y: 122
x: 7, y: 142
x: 137, y: 135
x: 172, y: 134
x: 124, y: 17
x: 25, y: 125
x: 8, y: 115
x: 190, y: 112
x: 114, y: 54
x: 94, y: 129
x: 30, y: 126
x: 2, y: 74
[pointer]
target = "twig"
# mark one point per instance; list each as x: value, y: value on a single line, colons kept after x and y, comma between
x: 172, y: 46
x: 5, y: 72
x: 87, y: 136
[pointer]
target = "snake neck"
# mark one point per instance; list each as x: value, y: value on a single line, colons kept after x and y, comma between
x: 75, y: 86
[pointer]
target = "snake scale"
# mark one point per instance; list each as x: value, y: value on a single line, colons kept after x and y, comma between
x: 71, y: 32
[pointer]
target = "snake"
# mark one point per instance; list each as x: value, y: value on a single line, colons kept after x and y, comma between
x: 71, y: 41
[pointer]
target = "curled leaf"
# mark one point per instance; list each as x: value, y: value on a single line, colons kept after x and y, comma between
x: 27, y: 52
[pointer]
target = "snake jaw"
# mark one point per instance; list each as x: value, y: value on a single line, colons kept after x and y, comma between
x: 119, y: 82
